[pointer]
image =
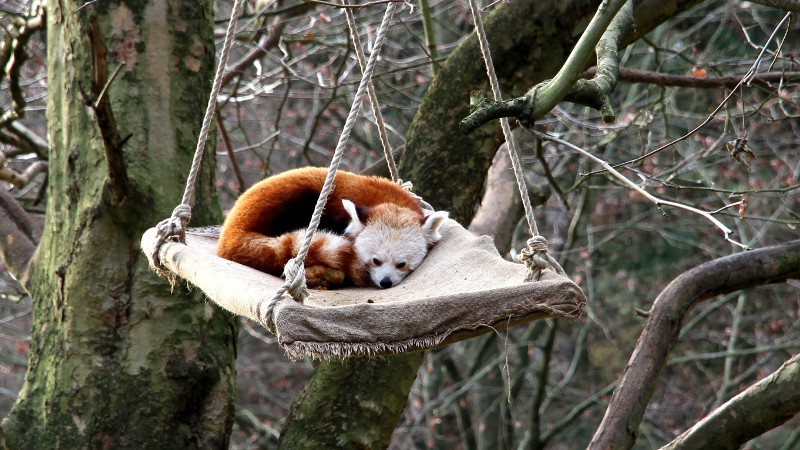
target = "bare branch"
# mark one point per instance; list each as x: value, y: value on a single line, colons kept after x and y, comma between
x: 19, y: 236
x: 363, y: 5
x: 540, y: 99
x: 761, y: 407
x: 13, y: 53
x: 28, y: 140
x: 665, y: 79
x: 728, y: 274
x: 658, y: 201
x: 20, y: 180
x: 226, y: 139
x: 596, y: 93
x: 786, y: 5
x: 264, y: 45
x: 746, y: 79
x: 118, y: 182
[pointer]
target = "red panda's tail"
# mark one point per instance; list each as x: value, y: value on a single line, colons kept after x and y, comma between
x: 270, y: 254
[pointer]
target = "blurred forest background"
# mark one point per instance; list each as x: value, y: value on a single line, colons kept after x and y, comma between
x: 293, y: 76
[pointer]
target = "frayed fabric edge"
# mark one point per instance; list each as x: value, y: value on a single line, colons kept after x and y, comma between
x: 325, y: 350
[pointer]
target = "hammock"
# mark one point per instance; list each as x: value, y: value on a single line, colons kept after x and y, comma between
x: 462, y: 289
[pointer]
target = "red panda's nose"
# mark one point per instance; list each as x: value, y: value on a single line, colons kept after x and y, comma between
x: 386, y: 283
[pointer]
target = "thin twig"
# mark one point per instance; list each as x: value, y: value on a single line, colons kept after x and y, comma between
x: 746, y: 79
x: 86, y: 4
x: 658, y: 201
x: 226, y: 139
x: 106, y: 86
x: 365, y: 5
x: 668, y: 79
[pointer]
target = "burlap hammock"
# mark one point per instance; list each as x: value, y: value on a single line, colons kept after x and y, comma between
x: 462, y: 289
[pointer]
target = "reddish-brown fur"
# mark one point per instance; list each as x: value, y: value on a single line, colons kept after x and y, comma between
x: 270, y: 254
x: 260, y: 229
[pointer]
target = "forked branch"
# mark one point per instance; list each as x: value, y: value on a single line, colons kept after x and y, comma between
x: 774, y: 264
x: 13, y: 53
x: 97, y: 99
x: 603, y: 36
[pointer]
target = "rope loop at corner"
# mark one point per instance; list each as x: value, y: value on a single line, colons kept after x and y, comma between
x: 295, y: 274
x: 536, y: 259
x: 172, y: 228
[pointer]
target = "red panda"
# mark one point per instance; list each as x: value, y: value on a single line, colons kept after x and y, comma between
x: 371, y: 229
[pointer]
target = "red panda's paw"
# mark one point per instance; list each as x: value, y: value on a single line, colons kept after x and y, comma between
x: 324, y: 277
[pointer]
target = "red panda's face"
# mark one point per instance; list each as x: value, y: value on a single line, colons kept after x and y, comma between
x: 392, y: 241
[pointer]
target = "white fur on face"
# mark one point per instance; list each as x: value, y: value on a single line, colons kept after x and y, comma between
x: 393, y: 242
x: 390, y: 253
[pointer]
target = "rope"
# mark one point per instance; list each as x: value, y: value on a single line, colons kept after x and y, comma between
x: 376, y: 110
x: 176, y: 224
x: 295, y: 271
x: 535, y: 256
x: 373, y: 99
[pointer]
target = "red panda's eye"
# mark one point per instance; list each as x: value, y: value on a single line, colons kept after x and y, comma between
x: 376, y: 261
x: 401, y: 265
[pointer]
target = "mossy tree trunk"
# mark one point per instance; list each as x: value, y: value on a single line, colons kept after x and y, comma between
x: 118, y: 359
x: 529, y: 40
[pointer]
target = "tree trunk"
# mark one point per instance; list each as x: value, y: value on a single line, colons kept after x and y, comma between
x: 761, y: 407
x: 118, y: 357
x: 531, y: 40
x: 620, y: 424
x: 351, y: 403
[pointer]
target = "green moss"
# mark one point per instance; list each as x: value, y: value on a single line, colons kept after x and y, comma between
x: 117, y: 359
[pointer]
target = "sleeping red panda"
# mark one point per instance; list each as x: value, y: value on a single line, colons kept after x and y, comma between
x: 371, y: 229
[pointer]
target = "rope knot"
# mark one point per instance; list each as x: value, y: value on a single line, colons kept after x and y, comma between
x: 536, y: 259
x: 538, y: 244
x: 533, y: 256
x: 183, y: 212
x: 172, y: 228
x: 295, y: 274
x: 408, y: 187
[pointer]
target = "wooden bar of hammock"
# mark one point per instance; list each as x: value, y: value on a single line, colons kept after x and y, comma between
x: 463, y: 289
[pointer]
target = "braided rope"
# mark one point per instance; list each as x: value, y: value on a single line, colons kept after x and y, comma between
x: 176, y: 224
x: 535, y: 256
x: 376, y: 110
x: 373, y: 99
x: 295, y: 271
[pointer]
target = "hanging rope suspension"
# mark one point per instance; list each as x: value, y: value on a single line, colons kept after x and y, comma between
x: 435, y: 306
x: 535, y: 256
x: 294, y: 272
x: 376, y: 110
x: 175, y: 226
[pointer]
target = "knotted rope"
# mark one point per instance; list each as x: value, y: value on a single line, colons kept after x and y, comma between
x: 376, y: 110
x: 373, y: 99
x: 175, y: 226
x: 294, y: 271
x: 535, y: 256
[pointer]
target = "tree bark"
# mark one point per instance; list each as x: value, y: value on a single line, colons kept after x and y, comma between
x: 351, y: 403
x: 530, y: 40
x: 763, y: 406
x: 118, y: 358
x: 720, y: 276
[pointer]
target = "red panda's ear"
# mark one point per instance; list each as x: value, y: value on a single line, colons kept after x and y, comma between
x: 357, y: 215
x: 430, y: 226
